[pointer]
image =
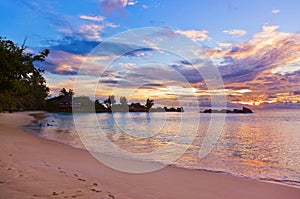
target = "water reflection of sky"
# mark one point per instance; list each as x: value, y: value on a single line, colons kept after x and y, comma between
x: 264, y: 145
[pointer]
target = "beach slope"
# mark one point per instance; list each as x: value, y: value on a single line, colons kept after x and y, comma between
x: 32, y: 167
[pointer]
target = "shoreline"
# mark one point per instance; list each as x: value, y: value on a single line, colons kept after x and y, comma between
x: 34, y: 167
x: 42, y: 115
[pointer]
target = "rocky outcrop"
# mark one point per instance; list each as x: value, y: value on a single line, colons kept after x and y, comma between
x: 243, y: 110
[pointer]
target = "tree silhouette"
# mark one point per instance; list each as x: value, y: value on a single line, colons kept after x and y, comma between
x: 22, y: 85
x: 110, y: 101
x: 123, y: 101
x: 99, y: 107
x: 149, y: 103
x: 64, y: 92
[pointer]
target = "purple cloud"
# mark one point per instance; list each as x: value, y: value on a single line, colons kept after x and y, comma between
x: 114, y: 5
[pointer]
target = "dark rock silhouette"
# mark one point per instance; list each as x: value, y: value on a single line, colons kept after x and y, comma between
x: 172, y: 109
x: 243, y: 110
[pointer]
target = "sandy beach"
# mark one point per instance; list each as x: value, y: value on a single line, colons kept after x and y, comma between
x: 32, y: 167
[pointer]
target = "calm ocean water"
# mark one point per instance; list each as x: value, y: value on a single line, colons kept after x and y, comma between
x: 264, y: 145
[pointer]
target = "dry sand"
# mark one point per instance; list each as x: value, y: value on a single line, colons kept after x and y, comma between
x: 32, y: 167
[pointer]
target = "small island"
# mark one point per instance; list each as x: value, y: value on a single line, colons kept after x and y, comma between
x: 67, y: 103
x: 237, y: 111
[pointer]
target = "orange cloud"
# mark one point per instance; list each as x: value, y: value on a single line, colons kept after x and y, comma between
x: 68, y: 63
x: 267, y: 65
x: 261, y: 43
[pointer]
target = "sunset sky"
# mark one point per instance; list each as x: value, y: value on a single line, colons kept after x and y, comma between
x: 254, y: 44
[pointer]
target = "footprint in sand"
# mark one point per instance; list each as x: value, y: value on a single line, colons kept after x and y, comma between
x: 95, y: 190
x: 54, y: 193
x: 21, y: 174
x: 111, y: 196
x: 15, y: 171
x: 77, y: 175
x: 46, y: 164
x: 60, y: 170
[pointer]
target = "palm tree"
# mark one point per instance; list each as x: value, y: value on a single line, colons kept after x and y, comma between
x: 149, y: 103
x: 63, y: 92
x: 110, y: 101
x: 123, y: 101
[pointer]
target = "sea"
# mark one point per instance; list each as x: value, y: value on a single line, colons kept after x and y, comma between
x: 264, y: 145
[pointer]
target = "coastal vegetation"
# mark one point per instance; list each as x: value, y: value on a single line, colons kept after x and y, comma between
x: 22, y: 85
x: 66, y: 102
